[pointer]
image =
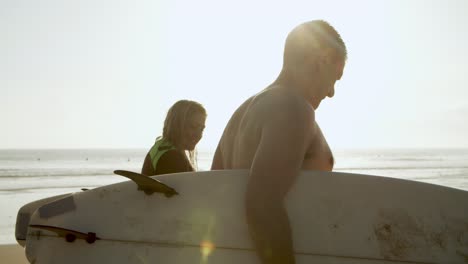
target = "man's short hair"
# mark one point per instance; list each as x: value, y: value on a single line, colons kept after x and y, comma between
x: 312, y: 38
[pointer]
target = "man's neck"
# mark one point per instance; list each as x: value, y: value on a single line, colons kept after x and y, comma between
x: 294, y: 85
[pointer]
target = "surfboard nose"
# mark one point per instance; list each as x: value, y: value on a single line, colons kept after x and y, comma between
x: 24, y: 216
x: 22, y: 222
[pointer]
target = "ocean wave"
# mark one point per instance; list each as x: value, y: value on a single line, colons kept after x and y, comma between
x: 416, y: 159
x: 34, y: 173
x: 55, y: 175
x: 32, y: 189
x: 402, y: 168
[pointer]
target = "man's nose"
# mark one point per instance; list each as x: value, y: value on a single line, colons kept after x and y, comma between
x: 331, y: 93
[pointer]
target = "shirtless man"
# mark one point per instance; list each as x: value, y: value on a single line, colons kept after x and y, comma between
x: 275, y: 135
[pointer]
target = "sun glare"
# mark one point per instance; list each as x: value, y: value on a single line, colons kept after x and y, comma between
x: 206, y: 248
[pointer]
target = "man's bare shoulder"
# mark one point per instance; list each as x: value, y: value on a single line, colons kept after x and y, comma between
x: 281, y: 103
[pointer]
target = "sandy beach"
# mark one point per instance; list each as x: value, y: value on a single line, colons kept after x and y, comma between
x: 13, y: 254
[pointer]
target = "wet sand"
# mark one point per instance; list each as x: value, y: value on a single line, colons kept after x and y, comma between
x: 13, y: 254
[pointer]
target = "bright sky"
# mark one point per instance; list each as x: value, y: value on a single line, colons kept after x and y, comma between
x: 103, y: 73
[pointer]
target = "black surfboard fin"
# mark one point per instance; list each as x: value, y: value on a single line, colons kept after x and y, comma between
x: 147, y: 184
x: 68, y: 234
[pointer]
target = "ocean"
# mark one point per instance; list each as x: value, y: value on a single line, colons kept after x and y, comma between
x: 29, y: 175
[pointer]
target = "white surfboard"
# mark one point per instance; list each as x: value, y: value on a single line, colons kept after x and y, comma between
x: 335, y: 217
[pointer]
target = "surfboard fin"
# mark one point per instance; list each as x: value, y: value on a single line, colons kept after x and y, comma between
x: 147, y: 184
x: 68, y: 234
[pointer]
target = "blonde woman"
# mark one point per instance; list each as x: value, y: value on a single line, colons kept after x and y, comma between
x: 183, y: 129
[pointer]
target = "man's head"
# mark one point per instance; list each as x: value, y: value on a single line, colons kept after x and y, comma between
x: 315, y: 55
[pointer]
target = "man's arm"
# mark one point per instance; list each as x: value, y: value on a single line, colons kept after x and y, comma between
x: 276, y: 165
x: 284, y: 141
x: 217, y: 163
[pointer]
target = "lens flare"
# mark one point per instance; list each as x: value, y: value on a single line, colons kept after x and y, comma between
x: 206, y: 248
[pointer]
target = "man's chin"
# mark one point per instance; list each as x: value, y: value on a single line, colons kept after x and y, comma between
x: 191, y: 148
x: 316, y: 105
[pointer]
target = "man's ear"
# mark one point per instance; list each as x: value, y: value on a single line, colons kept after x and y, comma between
x: 328, y: 55
x: 328, y: 58
x: 321, y: 62
x: 315, y: 67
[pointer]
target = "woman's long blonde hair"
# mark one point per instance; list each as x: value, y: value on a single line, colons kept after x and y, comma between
x: 176, y: 119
